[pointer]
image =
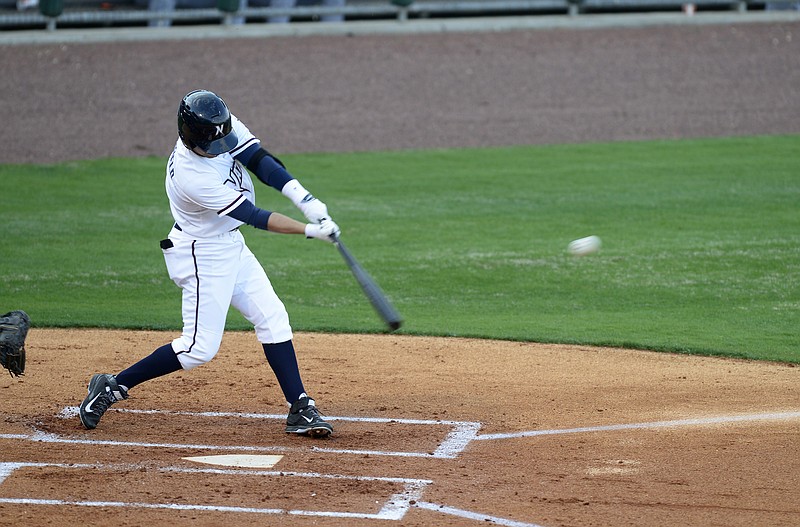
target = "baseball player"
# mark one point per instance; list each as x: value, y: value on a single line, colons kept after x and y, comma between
x: 211, y: 195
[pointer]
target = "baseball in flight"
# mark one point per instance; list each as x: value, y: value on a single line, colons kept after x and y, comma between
x: 584, y: 246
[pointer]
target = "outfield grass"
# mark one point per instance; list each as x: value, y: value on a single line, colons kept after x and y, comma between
x: 701, y: 246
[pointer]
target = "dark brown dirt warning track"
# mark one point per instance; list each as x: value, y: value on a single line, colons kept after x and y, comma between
x: 80, y: 101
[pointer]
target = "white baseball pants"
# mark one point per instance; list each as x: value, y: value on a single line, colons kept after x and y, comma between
x: 214, y: 274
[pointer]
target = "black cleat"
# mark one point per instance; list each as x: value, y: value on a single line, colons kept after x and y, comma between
x: 103, y: 392
x: 304, y: 418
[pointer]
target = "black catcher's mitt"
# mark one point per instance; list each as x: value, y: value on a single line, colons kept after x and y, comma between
x: 13, y: 331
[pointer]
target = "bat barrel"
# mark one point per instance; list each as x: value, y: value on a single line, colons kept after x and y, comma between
x: 374, y: 294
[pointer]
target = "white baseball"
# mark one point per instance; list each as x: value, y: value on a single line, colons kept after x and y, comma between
x: 584, y: 246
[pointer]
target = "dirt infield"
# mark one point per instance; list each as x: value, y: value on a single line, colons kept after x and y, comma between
x: 448, y: 432
x: 428, y: 432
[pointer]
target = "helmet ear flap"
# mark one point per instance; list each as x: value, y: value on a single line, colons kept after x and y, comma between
x: 184, y: 129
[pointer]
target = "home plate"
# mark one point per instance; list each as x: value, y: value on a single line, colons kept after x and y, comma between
x: 238, y: 460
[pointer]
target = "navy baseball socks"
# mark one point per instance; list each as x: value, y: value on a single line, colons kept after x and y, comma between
x: 303, y: 418
x: 106, y: 389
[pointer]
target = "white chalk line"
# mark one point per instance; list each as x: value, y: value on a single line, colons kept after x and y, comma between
x: 394, y: 508
x: 129, y: 504
x: 8, y: 467
x: 390, y: 514
x: 703, y: 421
x: 289, y: 473
x: 43, y: 437
x: 72, y: 411
x: 461, y: 434
x: 472, y: 515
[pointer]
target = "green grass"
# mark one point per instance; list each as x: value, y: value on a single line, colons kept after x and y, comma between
x: 701, y: 246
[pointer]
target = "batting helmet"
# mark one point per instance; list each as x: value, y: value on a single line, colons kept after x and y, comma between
x: 204, y: 123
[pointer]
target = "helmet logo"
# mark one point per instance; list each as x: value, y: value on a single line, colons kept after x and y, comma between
x: 219, y: 129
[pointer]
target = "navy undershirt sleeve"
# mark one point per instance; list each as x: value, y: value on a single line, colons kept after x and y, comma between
x: 265, y: 166
x: 251, y: 215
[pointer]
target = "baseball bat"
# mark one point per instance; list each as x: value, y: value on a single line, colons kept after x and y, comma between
x: 385, y: 309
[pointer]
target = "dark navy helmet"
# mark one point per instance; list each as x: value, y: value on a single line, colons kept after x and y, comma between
x: 204, y: 123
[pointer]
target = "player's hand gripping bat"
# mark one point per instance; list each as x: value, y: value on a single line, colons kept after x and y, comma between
x: 376, y: 297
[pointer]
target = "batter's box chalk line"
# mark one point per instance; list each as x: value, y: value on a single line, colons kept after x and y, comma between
x: 394, y: 507
x: 460, y: 435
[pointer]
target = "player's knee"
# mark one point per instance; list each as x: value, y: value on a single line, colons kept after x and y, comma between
x: 275, y: 328
x: 196, y: 350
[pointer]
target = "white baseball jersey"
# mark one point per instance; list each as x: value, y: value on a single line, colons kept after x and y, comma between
x: 207, y: 256
x: 202, y: 191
